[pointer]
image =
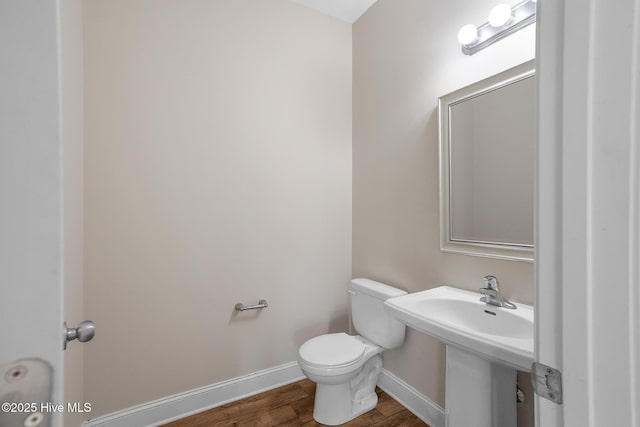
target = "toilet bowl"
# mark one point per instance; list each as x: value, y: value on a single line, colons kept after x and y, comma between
x: 346, y: 370
x: 346, y: 367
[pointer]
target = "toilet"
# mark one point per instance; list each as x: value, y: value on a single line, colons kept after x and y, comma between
x: 346, y: 367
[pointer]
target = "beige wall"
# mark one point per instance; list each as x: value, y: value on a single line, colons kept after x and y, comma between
x: 406, y: 55
x: 217, y: 170
x: 72, y: 140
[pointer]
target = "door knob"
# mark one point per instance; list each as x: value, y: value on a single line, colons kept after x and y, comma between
x: 83, y: 333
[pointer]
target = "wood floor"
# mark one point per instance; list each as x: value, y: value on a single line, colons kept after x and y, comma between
x: 292, y: 405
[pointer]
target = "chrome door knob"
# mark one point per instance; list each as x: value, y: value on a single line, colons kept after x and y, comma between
x: 83, y: 333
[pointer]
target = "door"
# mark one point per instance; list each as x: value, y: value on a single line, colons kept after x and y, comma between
x: 588, y: 210
x: 30, y: 213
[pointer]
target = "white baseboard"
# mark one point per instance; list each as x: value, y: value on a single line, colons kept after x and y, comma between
x: 423, y: 407
x: 180, y: 405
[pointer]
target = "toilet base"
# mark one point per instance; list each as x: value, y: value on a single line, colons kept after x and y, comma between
x: 337, y: 404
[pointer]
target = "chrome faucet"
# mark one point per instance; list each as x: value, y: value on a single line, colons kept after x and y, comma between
x: 492, y: 294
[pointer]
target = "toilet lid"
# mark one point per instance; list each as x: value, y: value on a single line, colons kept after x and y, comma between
x: 332, y: 350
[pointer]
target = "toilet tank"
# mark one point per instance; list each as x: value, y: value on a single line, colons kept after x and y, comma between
x: 368, y: 315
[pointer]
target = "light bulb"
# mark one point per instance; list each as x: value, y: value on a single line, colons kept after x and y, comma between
x: 468, y: 34
x: 500, y: 15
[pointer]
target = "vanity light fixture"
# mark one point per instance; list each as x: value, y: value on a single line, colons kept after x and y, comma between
x: 503, y: 21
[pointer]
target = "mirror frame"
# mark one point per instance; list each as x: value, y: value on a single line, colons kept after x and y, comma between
x: 516, y: 252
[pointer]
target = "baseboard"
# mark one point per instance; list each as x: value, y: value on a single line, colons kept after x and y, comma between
x: 423, y: 407
x: 180, y: 405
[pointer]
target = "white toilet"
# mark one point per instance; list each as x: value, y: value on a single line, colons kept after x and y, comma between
x: 345, y: 367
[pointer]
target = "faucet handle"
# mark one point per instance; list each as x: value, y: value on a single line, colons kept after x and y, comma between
x: 491, y: 282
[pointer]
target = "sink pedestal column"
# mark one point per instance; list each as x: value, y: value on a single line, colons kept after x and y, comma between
x: 478, y: 393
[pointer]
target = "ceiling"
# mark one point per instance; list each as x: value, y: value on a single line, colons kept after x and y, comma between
x: 346, y: 10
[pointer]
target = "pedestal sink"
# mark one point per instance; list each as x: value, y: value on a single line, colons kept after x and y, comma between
x: 486, y: 345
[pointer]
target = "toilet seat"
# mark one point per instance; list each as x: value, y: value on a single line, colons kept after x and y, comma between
x: 332, y: 351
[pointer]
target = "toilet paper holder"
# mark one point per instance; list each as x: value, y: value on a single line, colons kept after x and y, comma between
x: 261, y: 304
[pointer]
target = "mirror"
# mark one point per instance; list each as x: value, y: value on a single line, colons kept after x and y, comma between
x: 487, y: 143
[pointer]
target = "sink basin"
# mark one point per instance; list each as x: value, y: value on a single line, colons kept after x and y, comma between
x: 459, y: 318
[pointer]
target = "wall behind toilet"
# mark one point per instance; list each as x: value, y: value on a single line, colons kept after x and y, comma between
x: 406, y: 55
x: 217, y: 170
